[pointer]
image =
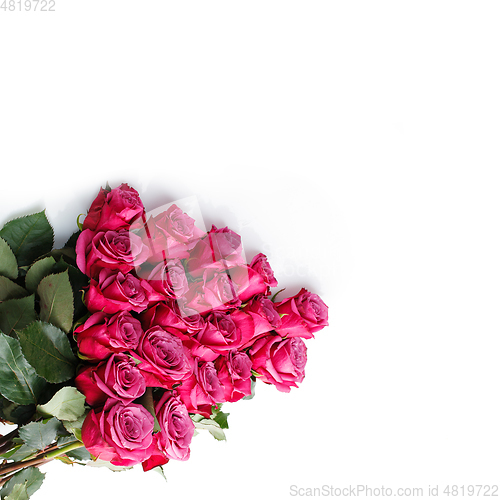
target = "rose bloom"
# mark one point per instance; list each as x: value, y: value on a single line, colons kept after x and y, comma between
x: 171, y: 234
x: 202, y: 390
x: 279, y: 361
x: 113, y: 209
x: 119, y: 250
x: 114, y: 291
x: 164, y: 360
x: 264, y: 314
x: 302, y: 315
x: 261, y: 265
x: 118, y: 433
x: 223, y: 332
x: 168, y: 313
x: 219, y: 250
x: 248, y: 282
x: 117, y: 377
x: 102, y: 335
x: 234, y: 371
x: 176, y: 431
x: 169, y: 279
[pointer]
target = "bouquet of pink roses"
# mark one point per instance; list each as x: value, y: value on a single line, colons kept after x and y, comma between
x: 119, y: 346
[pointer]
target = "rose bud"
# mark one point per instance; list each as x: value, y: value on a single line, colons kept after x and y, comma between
x: 114, y: 291
x: 117, y: 377
x: 202, y: 390
x: 102, y: 335
x: 302, y: 315
x: 118, y: 433
x: 164, y: 360
x: 234, y: 372
x: 113, y: 209
x: 279, y: 361
x: 119, y: 250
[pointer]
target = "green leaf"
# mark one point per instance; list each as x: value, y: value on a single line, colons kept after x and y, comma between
x: 19, y: 380
x: 80, y: 454
x: 31, y: 477
x: 17, y: 314
x: 38, y: 271
x: 12, y: 412
x: 29, y: 237
x: 8, y: 262
x: 75, y: 426
x: 56, y: 300
x: 10, y: 290
x: 211, y: 426
x: 67, y: 404
x: 19, y: 492
x: 48, y: 350
x: 221, y: 419
x: 39, y: 435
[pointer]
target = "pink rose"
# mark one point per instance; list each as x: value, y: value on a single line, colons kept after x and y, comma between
x: 119, y: 250
x: 248, y: 282
x: 279, y: 361
x: 264, y: 314
x: 219, y: 250
x: 114, y: 291
x: 223, y: 332
x: 168, y: 314
x: 177, y: 428
x: 117, y: 377
x: 169, y: 279
x: 261, y: 265
x: 113, y: 209
x: 171, y: 234
x: 164, y: 360
x: 234, y: 371
x: 302, y: 315
x: 118, y: 433
x: 202, y: 390
x: 102, y: 335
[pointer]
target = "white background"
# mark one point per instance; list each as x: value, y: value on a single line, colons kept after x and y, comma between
x: 356, y: 144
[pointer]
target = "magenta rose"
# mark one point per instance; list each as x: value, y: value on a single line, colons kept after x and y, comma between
x: 234, y: 371
x: 169, y: 279
x: 279, y: 361
x: 261, y: 265
x: 164, y: 360
x: 118, y: 433
x: 264, y: 314
x: 102, y: 335
x: 168, y: 314
x: 176, y: 427
x: 223, y: 332
x: 302, y: 315
x: 171, y: 234
x: 219, y: 250
x: 117, y: 377
x: 118, y: 250
x: 202, y: 390
x: 248, y: 282
x: 113, y: 209
x: 114, y: 291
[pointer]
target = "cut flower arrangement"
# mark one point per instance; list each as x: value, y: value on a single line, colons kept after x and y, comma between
x: 117, y: 348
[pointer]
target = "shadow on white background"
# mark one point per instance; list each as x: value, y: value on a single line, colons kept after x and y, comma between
x: 356, y: 144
